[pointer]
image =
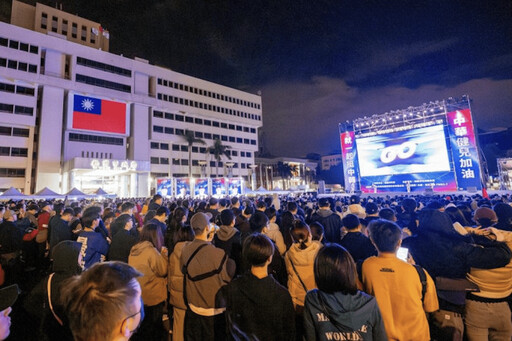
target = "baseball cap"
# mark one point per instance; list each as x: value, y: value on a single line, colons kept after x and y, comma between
x: 200, y: 221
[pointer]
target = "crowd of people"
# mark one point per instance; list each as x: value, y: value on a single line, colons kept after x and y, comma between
x: 264, y: 268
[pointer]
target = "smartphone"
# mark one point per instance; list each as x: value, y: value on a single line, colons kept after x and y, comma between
x: 402, y: 253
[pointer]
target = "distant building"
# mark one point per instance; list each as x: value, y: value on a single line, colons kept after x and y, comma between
x: 272, y: 173
x: 329, y: 161
x: 48, y: 20
x: 74, y: 115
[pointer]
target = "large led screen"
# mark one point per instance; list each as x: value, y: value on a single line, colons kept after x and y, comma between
x: 421, y: 150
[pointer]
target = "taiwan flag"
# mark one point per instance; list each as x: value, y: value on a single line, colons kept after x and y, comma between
x: 97, y: 114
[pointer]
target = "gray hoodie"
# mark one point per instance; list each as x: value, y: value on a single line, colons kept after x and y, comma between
x: 341, y: 316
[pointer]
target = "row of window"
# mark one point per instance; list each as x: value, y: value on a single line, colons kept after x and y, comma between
x: 12, y: 131
x: 208, y: 136
x: 18, y: 89
x: 15, y: 65
x: 103, y: 83
x: 103, y: 67
x: 206, y: 93
x: 210, y: 123
x: 13, y: 151
x: 184, y: 162
x: 96, y: 155
x: 17, y: 109
x: 12, y: 172
x: 19, y: 45
x: 202, y: 150
x: 116, y: 141
x: 200, y: 105
x: 64, y: 28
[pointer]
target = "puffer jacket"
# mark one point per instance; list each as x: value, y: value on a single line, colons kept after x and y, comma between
x: 175, y: 277
x: 146, y: 259
x: 303, y: 260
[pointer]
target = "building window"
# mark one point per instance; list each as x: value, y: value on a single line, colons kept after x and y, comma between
x: 164, y: 160
x: 32, y: 68
x: 103, y: 83
x: 21, y: 132
x: 158, y: 114
x: 12, y: 64
x: 155, y: 160
x: 169, y: 130
x: 20, y: 110
x: 34, y: 49
x: 24, y: 90
x: 4, y: 107
x: 158, y: 129
x: 64, y: 29
x: 176, y: 147
x: 54, y: 24
x: 103, y: 67
x: 164, y: 146
x: 12, y: 173
x: 74, y: 30
x: 44, y: 20
x: 154, y: 145
x: 24, y: 47
x: 83, y: 36
x: 5, y: 131
x: 169, y: 116
x: 22, y: 66
x: 19, y: 152
x: 96, y: 139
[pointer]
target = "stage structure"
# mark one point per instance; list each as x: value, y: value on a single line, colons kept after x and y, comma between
x: 432, y: 147
x: 199, y: 187
x: 505, y: 173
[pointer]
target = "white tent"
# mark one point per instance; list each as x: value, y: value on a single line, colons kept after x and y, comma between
x: 101, y: 193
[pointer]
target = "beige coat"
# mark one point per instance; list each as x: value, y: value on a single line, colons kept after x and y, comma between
x: 175, y: 277
x: 146, y: 259
x: 304, y: 261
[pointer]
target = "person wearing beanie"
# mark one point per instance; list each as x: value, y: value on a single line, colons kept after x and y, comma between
x: 485, y: 217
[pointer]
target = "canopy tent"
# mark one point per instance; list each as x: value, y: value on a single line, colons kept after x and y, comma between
x: 47, y: 193
x: 12, y: 194
x: 101, y: 193
x: 76, y: 193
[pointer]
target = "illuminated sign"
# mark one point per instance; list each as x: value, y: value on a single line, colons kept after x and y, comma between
x: 114, y: 165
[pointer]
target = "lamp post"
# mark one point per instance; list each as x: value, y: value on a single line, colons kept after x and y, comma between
x: 253, y: 176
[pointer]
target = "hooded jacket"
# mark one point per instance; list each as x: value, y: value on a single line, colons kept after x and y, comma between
x: 228, y: 239
x: 261, y: 309
x: 331, y: 222
x: 342, y: 317
x: 146, y: 259
x: 303, y: 261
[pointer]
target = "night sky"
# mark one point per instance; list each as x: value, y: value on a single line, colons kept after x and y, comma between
x: 318, y: 63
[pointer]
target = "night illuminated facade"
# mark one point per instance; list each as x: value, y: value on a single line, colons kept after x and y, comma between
x: 74, y: 115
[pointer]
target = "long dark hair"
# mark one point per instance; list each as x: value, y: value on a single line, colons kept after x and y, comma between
x: 335, y: 270
x: 153, y: 234
x: 300, y: 233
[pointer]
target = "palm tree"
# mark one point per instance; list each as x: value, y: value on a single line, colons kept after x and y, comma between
x: 190, y: 137
x: 285, y: 171
x: 218, y: 150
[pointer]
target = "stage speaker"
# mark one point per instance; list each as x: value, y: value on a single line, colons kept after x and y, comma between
x: 429, y: 191
x: 472, y: 189
x: 321, y: 187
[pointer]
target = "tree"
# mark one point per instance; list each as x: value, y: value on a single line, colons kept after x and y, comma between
x: 190, y: 137
x: 285, y: 171
x: 218, y: 150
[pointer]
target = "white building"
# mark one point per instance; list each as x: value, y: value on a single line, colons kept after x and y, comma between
x: 329, y: 161
x: 72, y: 115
